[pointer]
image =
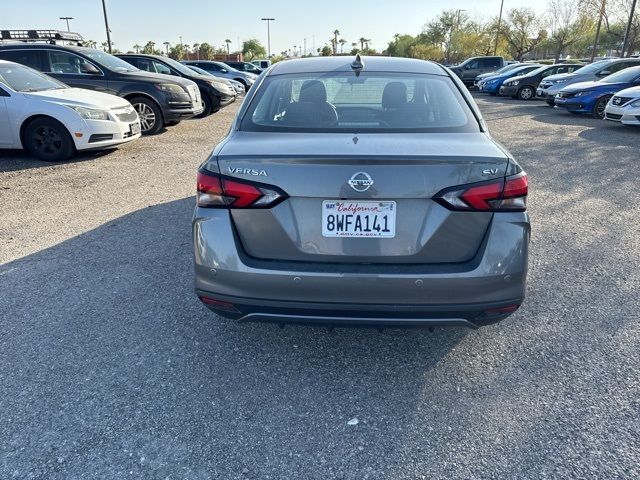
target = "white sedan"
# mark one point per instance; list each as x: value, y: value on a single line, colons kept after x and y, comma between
x: 624, y: 107
x: 52, y: 121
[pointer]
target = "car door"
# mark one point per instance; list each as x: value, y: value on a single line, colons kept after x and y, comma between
x: 471, y: 70
x: 76, y: 71
x: 6, y: 132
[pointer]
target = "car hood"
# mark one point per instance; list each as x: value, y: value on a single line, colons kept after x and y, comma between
x: 149, y: 77
x: 517, y: 77
x: 633, y: 92
x: 79, y: 97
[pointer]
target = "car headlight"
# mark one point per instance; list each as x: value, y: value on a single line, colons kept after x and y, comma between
x: 514, y: 83
x: 90, y: 113
x: 582, y: 94
x: 557, y: 81
x: 170, y: 87
x: 635, y: 104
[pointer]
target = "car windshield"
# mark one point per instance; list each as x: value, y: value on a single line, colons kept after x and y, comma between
x: 183, y: 69
x: 108, y: 61
x: 371, y: 102
x: 592, y: 67
x: 25, y: 79
x: 623, y: 76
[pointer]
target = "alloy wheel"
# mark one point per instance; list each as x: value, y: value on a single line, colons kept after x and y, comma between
x: 147, y: 117
x: 526, y: 93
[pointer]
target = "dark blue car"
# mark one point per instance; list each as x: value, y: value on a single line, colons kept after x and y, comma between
x: 592, y: 97
x: 492, y: 84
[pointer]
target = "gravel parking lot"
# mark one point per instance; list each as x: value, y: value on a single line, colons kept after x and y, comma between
x: 111, y: 368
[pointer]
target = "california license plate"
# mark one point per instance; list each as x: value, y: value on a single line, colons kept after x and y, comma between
x: 369, y: 219
x: 134, y: 128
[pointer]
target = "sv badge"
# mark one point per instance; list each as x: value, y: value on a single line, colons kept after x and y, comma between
x: 490, y: 171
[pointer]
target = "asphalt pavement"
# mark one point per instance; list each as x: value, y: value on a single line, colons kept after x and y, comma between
x: 111, y: 368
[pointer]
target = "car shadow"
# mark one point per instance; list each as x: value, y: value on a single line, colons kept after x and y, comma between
x: 113, y: 316
x: 16, y: 160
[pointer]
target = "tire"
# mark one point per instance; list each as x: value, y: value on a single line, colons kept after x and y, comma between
x: 526, y: 93
x: 208, y: 105
x: 151, y: 121
x: 48, y: 140
x: 598, y: 108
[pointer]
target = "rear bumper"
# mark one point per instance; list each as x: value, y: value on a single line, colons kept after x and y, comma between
x: 362, y: 294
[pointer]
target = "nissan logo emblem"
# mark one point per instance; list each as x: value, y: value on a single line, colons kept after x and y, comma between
x: 360, y: 181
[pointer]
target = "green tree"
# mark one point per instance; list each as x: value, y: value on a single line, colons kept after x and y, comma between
x: 177, y: 52
x: 325, y: 51
x: 206, y: 51
x: 149, y: 48
x: 252, y: 48
x: 228, y: 42
x: 521, y: 30
x: 137, y: 48
x: 334, y: 41
x: 400, y: 45
x: 342, y: 43
x: 196, y: 50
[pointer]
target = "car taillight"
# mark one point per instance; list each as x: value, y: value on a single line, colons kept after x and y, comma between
x: 217, y: 191
x: 502, y: 195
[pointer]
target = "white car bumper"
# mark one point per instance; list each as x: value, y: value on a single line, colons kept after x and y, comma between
x: 97, y: 134
x: 626, y: 115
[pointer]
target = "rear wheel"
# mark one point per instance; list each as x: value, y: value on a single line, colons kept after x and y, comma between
x: 209, y: 105
x: 599, y: 107
x: 526, y: 93
x: 48, y: 140
x: 150, y: 115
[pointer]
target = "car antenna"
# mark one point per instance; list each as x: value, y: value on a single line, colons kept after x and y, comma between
x: 357, y: 65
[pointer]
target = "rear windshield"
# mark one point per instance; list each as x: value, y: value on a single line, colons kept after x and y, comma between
x: 370, y: 102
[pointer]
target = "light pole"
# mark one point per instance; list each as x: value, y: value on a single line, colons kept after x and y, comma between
x: 106, y: 25
x: 495, y: 47
x: 67, y: 20
x: 268, y: 20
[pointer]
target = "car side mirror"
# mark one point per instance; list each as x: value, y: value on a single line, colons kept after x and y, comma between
x: 467, y: 67
x: 89, y: 69
x: 604, y: 73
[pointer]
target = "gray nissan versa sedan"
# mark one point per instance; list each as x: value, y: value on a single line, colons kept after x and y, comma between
x: 361, y: 192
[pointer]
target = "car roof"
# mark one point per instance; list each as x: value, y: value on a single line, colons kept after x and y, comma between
x: 343, y: 64
x: 46, y: 46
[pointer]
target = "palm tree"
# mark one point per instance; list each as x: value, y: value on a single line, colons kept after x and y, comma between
x: 228, y: 42
x: 185, y: 49
x: 166, y: 47
x: 137, y: 48
x: 342, y: 44
x: 196, y: 48
x: 104, y: 46
x: 336, y: 32
x: 364, y: 41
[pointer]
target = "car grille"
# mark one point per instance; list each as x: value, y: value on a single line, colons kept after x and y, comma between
x: 614, y: 116
x: 619, y: 101
x: 127, y: 115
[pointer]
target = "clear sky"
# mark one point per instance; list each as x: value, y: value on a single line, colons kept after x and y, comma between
x: 138, y: 21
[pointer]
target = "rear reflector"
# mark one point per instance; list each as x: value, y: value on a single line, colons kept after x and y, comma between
x: 219, y: 304
x: 502, y: 195
x: 216, y: 191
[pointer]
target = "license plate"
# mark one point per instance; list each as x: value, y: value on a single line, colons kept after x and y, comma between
x: 344, y: 218
x: 134, y: 128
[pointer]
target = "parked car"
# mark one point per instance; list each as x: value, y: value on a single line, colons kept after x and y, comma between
x: 244, y: 67
x: 491, y: 85
x: 237, y: 86
x: 262, y: 64
x: 506, y: 68
x: 474, y: 66
x: 158, y: 99
x: 524, y: 86
x: 380, y: 208
x: 552, y: 84
x: 592, y: 97
x: 624, y: 107
x: 52, y: 121
x: 219, y: 69
x: 214, y: 93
